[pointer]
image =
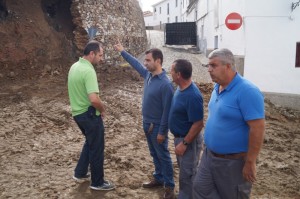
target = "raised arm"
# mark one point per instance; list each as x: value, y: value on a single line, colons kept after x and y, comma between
x: 131, y: 60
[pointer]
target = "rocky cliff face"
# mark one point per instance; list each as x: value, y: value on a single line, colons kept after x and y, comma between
x: 39, y: 37
x: 112, y: 20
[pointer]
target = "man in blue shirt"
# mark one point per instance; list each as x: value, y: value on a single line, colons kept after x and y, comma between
x: 233, y: 133
x: 186, y: 122
x: 158, y: 93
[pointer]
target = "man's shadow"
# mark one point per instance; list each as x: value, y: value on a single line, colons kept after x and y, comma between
x: 83, y: 191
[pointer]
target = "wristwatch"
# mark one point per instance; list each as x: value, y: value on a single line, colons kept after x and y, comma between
x: 184, y: 142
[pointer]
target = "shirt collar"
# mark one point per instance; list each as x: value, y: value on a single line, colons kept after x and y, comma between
x: 233, y: 82
x: 161, y: 75
x: 84, y: 61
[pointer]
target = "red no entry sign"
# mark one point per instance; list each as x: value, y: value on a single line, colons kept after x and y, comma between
x: 233, y: 21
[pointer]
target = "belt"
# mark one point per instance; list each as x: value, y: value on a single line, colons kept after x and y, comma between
x: 229, y: 156
x: 178, y: 136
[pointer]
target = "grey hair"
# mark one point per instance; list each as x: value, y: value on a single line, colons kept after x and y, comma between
x: 225, y: 56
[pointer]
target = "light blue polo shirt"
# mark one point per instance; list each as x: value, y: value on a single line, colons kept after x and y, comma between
x: 226, y: 129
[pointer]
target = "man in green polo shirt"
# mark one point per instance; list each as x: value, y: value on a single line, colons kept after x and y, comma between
x: 88, y: 111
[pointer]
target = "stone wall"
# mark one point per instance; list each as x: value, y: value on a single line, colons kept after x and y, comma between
x: 113, y: 19
x: 42, y: 37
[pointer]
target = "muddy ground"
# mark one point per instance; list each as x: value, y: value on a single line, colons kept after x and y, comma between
x: 40, y: 143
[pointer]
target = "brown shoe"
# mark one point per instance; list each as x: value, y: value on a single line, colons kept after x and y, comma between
x: 169, y: 193
x: 152, y: 184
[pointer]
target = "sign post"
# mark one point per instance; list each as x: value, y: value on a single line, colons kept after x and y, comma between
x: 233, y: 21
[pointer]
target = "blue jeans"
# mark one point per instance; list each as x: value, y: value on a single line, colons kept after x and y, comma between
x: 92, y: 152
x: 161, y: 156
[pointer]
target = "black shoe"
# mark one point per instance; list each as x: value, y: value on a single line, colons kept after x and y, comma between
x: 152, y: 184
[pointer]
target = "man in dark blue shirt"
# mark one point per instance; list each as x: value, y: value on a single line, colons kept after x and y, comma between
x: 158, y: 93
x: 186, y: 122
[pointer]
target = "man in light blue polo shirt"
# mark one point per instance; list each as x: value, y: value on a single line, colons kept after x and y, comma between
x: 233, y: 133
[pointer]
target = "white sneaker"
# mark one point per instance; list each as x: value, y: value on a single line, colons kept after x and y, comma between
x: 106, y: 186
x: 82, y: 179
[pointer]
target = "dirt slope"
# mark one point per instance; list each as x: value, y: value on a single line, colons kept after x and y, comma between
x: 32, y: 43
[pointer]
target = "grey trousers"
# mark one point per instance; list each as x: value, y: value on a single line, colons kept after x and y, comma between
x: 219, y: 178
x: 188, y: 166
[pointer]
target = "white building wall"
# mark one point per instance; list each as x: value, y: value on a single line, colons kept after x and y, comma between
x: 149, y: 20
x: 233, y: 39
x: 184, y: 5
x: 191, y: 15
x: 160, y: 15
x: 165, y: 17
x: 212, y: 15
x: 267, y: 39
x: 179, y: 11
x: 205, y: 25
x: 162, y: 12
x: 272, y: 30
x: 174, y: 11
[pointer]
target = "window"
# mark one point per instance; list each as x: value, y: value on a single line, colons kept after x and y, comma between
x: 159, y: 10
x: 298, y: 54
x: 176, y: 3
x: 216, y: 42
x: 176, y: 19
x: 168, y: 20
x: 154, y: 9
x: 168, y: 8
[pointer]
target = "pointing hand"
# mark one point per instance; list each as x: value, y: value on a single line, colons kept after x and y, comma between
x: 118, y: 47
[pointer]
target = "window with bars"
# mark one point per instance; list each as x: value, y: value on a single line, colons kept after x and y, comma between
x: 297, y: 64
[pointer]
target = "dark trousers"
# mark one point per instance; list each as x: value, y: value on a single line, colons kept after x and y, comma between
x: 219, y: 178
x: 92, y: 152
x: 188, y: 166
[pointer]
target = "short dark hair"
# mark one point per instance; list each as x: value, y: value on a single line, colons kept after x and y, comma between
x: 156, y: 54
x: 184, y: 67
x: 92, y: 46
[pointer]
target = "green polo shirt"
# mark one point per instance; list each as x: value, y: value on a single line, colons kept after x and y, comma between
x: 82, y: 81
